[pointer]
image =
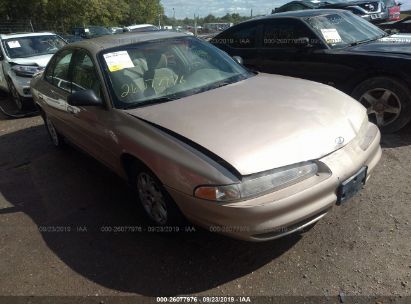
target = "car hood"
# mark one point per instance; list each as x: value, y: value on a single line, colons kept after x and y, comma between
x: 264, y: 122
x: 399, y: 44
x: 41, y: 61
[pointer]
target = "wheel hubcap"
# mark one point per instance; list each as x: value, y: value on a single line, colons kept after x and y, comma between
x: 152, y: 198
x: 52, y: 131
x: 383, y: 106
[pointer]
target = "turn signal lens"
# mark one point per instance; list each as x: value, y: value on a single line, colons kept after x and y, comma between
x: 218, y: 193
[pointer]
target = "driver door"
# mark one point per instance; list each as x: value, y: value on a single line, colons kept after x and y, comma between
x: 91, y: 123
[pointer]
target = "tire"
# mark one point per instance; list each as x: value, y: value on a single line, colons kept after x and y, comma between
x: 20, y: 102
x: 56, y: 138
x: 157, y: 204
x: 388, y: 102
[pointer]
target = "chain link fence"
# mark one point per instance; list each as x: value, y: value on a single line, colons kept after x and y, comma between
x: 19, y: 26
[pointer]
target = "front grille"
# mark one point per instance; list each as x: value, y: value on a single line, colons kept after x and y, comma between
x: 370, y: 7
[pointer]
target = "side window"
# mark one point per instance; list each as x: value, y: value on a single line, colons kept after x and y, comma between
x: 294, y: 7
x: 84, y: 74
x: 286, y: 33
x: 58, y: 72
x: 49, y: 70
x: 244, y: 37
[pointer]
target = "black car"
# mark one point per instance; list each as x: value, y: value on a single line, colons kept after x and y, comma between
x: 375, y: 11
x: 333, y: 47
x: 90, y: 32
x: 298, y: 5
x: 402, y: 26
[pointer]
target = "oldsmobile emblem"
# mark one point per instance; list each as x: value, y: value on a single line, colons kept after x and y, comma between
x: 339, y: 140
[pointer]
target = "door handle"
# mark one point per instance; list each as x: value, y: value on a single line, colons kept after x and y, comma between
x: 41, y: 97
x: 71, y: 110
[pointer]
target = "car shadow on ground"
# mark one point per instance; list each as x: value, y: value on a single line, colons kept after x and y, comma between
x: 398, y: 139
x: 61, y: 190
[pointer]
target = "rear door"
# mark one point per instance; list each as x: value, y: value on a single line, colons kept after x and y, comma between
x: 242, y: 40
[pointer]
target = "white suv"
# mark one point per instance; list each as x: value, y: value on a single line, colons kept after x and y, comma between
x: 21, y: 56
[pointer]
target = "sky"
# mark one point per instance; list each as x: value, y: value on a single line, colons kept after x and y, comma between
x: 406, y: 5
x: 187, y: 8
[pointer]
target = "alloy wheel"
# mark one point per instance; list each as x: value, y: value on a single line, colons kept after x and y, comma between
x: 152, y: 198
x: 382, y: 105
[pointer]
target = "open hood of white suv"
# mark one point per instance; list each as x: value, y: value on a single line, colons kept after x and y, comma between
x: 41, y: 61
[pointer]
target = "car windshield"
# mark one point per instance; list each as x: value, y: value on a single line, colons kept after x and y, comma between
x: 165, y: 70
x: 30, y: 46
x: 344, y: 29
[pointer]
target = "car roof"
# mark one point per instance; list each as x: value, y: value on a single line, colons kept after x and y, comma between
x: 110, y: 41
x: 21, y: 35
x: 304, y: 13
x: 136, y: 26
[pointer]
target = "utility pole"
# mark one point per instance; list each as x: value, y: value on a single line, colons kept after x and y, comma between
x: 31, y: 25
x: 251, y: 13
x: 195, y: 25
x: 159, y: 18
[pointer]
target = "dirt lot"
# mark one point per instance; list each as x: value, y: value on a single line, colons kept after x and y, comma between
x: 362, y: 248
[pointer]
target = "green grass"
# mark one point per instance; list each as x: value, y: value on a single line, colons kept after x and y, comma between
x: 405, y: 14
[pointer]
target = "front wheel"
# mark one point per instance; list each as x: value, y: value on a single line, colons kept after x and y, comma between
x: 21, y: 102
x: 56, y: 138
x: 154, y: 199
x: 387, y: 101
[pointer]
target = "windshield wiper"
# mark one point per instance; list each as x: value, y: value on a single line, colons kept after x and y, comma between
x: 367, y: 40
x: 150, y: 102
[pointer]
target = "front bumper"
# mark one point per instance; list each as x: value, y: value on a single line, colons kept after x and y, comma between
x: 288, y: 210
x: 22, y: 85
x: 376, y: 17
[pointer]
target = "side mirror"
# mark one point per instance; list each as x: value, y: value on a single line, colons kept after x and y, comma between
x: 84, y: 98
x: 239, y: 60
x: 1, y: 56
x: 304, y: 42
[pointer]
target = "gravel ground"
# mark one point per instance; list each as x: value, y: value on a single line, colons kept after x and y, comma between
x: 362, y: 248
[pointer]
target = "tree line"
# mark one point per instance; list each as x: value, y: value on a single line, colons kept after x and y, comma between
x: 65, y: 14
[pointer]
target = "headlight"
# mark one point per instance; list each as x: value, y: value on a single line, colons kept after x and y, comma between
x: 26, y: 70
x: 260, y: 184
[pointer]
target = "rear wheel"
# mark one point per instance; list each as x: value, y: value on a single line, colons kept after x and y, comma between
x: 387, y: 101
